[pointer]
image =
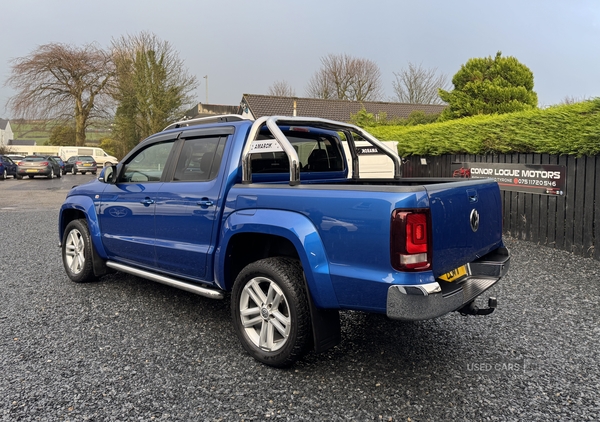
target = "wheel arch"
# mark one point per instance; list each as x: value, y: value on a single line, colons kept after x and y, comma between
x: 82, y: 207
x: 249, y: 236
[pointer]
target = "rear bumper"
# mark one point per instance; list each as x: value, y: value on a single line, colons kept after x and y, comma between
x: 86, y: 169
x: 432, y: 300
x: 34, y: 172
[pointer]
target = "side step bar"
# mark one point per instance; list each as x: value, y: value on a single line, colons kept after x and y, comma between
x: 189, y: 287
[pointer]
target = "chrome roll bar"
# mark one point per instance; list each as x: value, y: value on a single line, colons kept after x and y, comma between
x: 273, y: 123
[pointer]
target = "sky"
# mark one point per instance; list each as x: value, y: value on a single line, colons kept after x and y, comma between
x: 238, y: 47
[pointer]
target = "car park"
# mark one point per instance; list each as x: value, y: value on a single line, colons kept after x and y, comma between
x: 7, y: 167
x: 81, y: 164
x: 38, y: 165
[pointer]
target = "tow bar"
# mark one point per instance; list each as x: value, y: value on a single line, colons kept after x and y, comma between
x: 471, y: 309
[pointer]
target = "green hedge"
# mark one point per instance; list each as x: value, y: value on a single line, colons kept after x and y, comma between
x: 572, y: 129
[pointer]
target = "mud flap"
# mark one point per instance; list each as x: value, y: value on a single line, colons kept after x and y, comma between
x: 326, y: 327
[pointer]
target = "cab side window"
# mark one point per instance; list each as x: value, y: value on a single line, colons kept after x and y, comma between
x: 200, y: 159
x: 148, y: 164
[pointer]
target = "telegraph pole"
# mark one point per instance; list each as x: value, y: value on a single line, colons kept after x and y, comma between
x: 206, y: 77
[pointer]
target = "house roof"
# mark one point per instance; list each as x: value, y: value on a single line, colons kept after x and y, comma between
x: 3, y: 124
x: 340, y: 110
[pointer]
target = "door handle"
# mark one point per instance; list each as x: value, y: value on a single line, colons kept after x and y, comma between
x: 472, y: 194
x: 147, y: 202
x: 205, y: 202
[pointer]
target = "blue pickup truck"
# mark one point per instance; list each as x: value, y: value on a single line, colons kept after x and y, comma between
x: 274, y: 214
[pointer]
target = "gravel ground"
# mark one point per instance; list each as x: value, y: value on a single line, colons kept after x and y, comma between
x: 125, y: 349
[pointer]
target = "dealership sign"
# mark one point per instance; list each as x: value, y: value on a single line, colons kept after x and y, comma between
x: 544, y: 179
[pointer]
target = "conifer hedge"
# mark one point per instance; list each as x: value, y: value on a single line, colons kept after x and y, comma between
x: 572, y: 129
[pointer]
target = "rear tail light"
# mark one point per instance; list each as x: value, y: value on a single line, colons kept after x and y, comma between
x: 78, y: 162
x: 44, y: 163
x: 411, y: 240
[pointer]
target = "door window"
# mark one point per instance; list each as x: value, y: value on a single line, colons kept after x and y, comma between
x: 199, y: 159
x: 147, y: 165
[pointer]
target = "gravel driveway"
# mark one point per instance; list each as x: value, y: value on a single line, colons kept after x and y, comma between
x: 125, y: 349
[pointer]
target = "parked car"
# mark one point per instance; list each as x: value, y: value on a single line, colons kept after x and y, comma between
x: 16, y: 158
x: 7, y: 167
x: 61, y: 163
x: 81, y: 164
x: 38, y: 165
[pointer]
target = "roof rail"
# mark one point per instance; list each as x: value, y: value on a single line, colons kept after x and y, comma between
x: 205, y: 120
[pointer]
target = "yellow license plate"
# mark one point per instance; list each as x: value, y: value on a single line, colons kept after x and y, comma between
x: 32, y: 171
x: 87, y: 165
x: 454, y: 274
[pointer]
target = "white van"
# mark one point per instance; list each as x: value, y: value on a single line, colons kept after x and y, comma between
x: 101, y: 157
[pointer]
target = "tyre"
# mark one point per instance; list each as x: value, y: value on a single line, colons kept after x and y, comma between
x: 4, y: 175
x: 83, y: 172
x: 51, y: 175
x: 73, y: 171
x: 270, y: 311
x: 30, y: 176
x: 64, y: 172
x: 93, y: 172
x: 77, y: 252
x: 19, y: 177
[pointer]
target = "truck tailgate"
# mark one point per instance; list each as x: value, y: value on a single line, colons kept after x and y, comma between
x: 466, y: 222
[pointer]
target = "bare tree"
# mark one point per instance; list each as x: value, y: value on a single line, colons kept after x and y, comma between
x: 152, y: 87
x: 570, y: 99
x: 344, y: 77
x: 63, y: 83
x: 281, y: 89
x: 417, y: 85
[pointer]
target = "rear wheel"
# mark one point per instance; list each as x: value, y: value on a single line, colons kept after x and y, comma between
x: 4, y: 175
x: 77, y: 252
x: 19, y: 177
x: 271, y: 316
x: 30, y: 176
x: 51, y: 175
x: 83, y: 172
x: 73, y: 171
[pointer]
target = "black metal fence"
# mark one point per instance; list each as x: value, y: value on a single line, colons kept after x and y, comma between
x: 570, y: 222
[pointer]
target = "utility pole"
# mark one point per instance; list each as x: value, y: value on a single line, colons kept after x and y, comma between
x: 206, y: 77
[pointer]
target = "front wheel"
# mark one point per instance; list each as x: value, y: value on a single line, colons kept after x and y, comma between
x: 77, y: 252
x: 73, y: 171
x: 270, y: 311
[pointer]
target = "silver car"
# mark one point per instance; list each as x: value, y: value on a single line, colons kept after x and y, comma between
x: 38, y: 165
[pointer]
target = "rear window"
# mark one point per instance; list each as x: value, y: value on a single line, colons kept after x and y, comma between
x: 86, y: 158
x: 33, y: 159
x: 316, y: 152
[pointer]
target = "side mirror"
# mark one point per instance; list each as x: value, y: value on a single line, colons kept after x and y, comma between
x: 107, y: 174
